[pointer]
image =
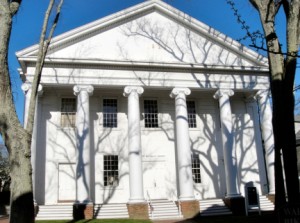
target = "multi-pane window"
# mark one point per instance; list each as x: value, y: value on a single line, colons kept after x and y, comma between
x: 68, y: 112
x: 151, y: 113
x: 191, y: 108
x: 196, y: 168
x: 111, y: 172
x: 110, y: 113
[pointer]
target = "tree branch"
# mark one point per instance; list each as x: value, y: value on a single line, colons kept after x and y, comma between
x: 43, y: 48
x: 14, y: 6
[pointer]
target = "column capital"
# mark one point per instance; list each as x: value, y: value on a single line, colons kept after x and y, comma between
x: 222, y: 92
x: 78, y: 88
x: 129, y: 89
x: 262, y: 94
x: 27, y: 86
x: 176, y: 91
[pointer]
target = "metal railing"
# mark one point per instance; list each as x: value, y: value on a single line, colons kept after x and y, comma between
x: 149, y: 204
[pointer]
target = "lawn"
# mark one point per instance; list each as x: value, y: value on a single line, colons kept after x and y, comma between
x: 97, y: 221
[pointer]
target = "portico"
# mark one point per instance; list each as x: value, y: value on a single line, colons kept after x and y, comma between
x: 154, y: 119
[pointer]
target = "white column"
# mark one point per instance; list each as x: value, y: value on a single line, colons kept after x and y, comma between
x: 83, y: 142
x: 184, y: 160
x: 229, y: 152
x: 134, y: 144
x: 265, y: 112
x: 26, y: 87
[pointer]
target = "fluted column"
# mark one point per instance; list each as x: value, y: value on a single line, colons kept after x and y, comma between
x: 83, y: 142
x: 26, y: 87
x: 184, y: 160
x: 134, y: 144
x: 229, y: 152
x: 265, y: 112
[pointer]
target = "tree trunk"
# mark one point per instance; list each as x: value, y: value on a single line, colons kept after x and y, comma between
x: 21, y: 204
x: 16, y: 139
x: 282, y: 75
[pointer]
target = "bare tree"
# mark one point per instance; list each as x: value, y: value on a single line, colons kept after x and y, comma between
x: 16, y: 137
x: 282, y: 75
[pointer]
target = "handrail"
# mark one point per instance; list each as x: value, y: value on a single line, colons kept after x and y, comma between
x: 149, y: 204
x: 178, y: 206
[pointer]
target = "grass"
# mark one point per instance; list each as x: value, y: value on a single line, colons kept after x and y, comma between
x: 97, y: 221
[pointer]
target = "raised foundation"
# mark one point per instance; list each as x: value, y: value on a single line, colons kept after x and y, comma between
x: 189, y: 209
x: 138, y: 210
x: 83, y: 211
x: 236, y: 205
x: 271, y: 197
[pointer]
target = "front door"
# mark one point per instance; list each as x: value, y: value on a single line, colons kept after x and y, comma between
x: 154, y: 179
x: 66, y: 182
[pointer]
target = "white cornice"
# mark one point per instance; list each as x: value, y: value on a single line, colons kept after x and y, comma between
x: 145, y: 66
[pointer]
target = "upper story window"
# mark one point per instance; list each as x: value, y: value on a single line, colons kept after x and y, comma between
x: 151, y: 114
x: 111, y: 170
x: 196, y: 168
x: 110, y: 113
x: 191, y: 108
x: 68, y: 112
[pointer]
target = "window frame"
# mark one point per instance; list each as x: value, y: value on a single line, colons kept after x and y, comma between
x: 66, y: 114
x: 144, y: 114
x: 116, y: 113
x: 196, y: 179
x: 105, y: 181
x: 189, y: 114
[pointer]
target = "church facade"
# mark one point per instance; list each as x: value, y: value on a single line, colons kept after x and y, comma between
x: 146, y: 104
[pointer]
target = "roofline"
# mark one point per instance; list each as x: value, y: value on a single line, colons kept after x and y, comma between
x: 145, y: 7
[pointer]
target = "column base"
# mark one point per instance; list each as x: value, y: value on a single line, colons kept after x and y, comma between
x: 83, y: 211
x: 236, y: 204
x: 138, y: 210
x: 189, y: 209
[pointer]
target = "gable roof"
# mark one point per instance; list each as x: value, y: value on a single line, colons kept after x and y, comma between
x: 81, y: 33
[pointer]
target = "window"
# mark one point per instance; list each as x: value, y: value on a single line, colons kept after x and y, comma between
x: 111, y: 173
x: 151, y: 114
x: 68, y: 112
x: 191, y: 108
x: 110, y: 113
x: 196, y: 169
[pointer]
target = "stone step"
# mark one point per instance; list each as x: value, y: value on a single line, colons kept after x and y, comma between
x: 51, y: 212
x: 104, y: 211
x: 164, y: 209
x: 213, y: 207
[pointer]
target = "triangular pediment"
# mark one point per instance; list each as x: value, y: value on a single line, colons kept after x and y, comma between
x: 149, y: 32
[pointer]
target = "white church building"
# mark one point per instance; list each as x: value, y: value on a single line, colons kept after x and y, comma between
x: 147, y: 105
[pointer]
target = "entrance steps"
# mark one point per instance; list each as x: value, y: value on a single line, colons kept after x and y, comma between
x: 265, y: 204
x: 52, y: 212
x: 163, y: 209
x: 104, y: 211
x: 213, y: 207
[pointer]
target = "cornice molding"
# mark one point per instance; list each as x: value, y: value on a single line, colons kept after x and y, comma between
x: 147, y: 66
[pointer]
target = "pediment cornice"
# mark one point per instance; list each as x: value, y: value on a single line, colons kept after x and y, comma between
x: 137, y: 11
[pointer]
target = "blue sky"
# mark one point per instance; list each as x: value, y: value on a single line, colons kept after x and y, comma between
x: 28, y: 22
